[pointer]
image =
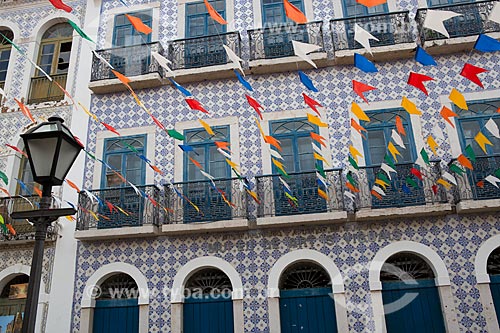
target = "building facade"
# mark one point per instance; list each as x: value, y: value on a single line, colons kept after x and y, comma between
x: 182, y: 253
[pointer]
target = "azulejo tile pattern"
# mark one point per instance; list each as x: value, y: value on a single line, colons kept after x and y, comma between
x: 455, y: 239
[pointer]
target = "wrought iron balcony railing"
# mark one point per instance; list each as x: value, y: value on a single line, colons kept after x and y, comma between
x: 474, y: 20
x: 389, y: 29
x: 395, y: 193
x: 23, y: 229
x: 128, y: 60
x: 471, y: 184
x: 42, y: 90
x: 137, y: 210
x: 226, y: 201
x: 276, y: 41
x: 203, y: 51
x: 304, y: 187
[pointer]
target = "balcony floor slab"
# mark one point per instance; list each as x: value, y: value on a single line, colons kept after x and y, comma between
x: 114, y: 233
x: 302, y: 219
x: 454, y: 44
x: 380, y: 53
x: 145, y: 81
x: 201, y: 227
x: 409, y: 211
x: 216, y: 72
x: 476, y: 206
x: 277, y: 65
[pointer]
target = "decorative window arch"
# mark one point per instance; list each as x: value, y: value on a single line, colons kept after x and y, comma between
x: 481, y: 261
x: 5, y: 53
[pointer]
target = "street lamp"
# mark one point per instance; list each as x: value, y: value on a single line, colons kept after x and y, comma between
x: 51, y: 150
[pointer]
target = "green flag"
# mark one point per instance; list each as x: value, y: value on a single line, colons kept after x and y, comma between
x: 176, y: 135
x: 130, y: 147
x: 353, y: 163
x: 12, y: 43
x: 283, y: 173
x: 389, y: 161
x: 4, y: 177
x: 497, y: 173
x: 456, y: 169
x: 383, y: 176
x: 320, y: 170
x: 470, y: 153
x: 425, y: 156
x: 80, y: 31
x: 351, y: 179
x: 411, y: 182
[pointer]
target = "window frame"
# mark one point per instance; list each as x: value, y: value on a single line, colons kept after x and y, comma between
x: 281, y: 5
x: 148, y: 23
x: 207, y: 19
x: 57, y: 42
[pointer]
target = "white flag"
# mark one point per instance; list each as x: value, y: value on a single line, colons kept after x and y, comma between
x: 449, y: 177
x: 285, y: 184
x: 493, y: 180
x: 350, y: 195
x: 397, y: 139
x: 98, y: 56
x: 438, y: 133
x: 492, y: 127
x: 378, y: 190
x: 363, y: 37
x: 275, y: 154
x: 224, y: 153
x: 302, y: 50
x: 209, y: 176
x: 435, y: 18
x: 234, y: 58
x: 387, y: 169
x: 163, y: 62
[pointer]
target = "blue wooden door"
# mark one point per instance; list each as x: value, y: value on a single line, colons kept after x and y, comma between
x: 423, y: 314
x: 307, y: 311
x: 495, y: 293
x: 116, y: 316
x: 208, y: 315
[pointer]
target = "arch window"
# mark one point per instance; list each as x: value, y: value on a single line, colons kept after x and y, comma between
x: 306, y: 302
x: 493, y: 269
x: 208, y: 306
x: 53, y: 59
x: 116, y: 308
x: 410, y: 296
x: 12, y: 301
x: 5, y: 50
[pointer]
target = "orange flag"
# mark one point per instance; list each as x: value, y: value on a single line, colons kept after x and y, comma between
x: 357, y: 127
x: 139, y: 25
x: 214, y: 14
x: 399, y: 126
x: 222, y: 145
x: 38, y: 191
x: 156, y: 169
x: 273, y: 142
x: 446, y: 114
x: 322, y: 194
x: 376, y: 194
x: 371, y: 3
x: 125, y: 80
x: 73, y: 185
x: 195, y: 162
x: 464, y: 161
x: 293, y: 13
x: 25, y: 110
x: 11, y: 229
x: 351, y: 187
x: 318, y: 138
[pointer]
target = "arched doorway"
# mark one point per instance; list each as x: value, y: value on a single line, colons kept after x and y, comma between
x: 116, y: 308
x: 208, y: 306
x: 12, y: 301
x: 410, y: 296
x: 306, y: 299
x: 493, y: 269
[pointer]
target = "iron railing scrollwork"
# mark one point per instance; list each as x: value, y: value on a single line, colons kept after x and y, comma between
x: 389, y: 29
x: 43, y: 90
x: 226, y: 201
x: 396, y: 195
x: 276, y: 41
x: 23, y: 229
x: 138, y: 209
x: 128, y: 60
x: 304, y: 187
x: 473, y: 20
x: 472, y: 184
x: 203, y: 51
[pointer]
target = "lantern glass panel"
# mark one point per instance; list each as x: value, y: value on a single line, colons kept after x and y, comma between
x: 42, y: 153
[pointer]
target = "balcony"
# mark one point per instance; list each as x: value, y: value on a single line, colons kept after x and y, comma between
x: 42, y: 90
x: 393, y: 30
x: 135, y: 62
x: 276, y: 208
x: 23, y: 230
x: 140, y: 216
x: 463, y: 29
x: 213, y: 212
x: 473, y: 193
x: 192, y: 56
x: 271, y: 48
x: 416, y: 200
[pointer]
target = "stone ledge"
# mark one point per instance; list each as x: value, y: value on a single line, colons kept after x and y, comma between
x: 302, y: 219
x: 413, y: 211
x: 200, y: 227
x: 216, y: 72
x: 454, y: 44
x: 150, y: 80
x: 475, y: 206
x: 265, y: 66
x: 112, y: 233
x: 380, y: 53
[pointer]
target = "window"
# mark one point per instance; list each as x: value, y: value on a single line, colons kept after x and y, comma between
x: 5, y: 49
x: 12, y: 302
x: 124, y: 33
x: 354, y: 9
x: 53, y: 59
x: 198, y: 21
x: 437, y: 3
x: 274, y: 11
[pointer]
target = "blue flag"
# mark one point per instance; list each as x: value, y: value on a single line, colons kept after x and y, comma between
x: 186, y: 148
x: 486, y: 43
x: 306, y: 81
x: 243, y: 81
x: 364, y: 64
x: 406, y: 189
x: 183, y: 90
x: 424, y: 58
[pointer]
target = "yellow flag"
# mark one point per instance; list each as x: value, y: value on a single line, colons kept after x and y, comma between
x: 232, y: 164
x: 433, y: 144
x: 94, y: 215
x: 278, y: 164
x: 394, y: 151
x: 355, y: 153
x: 206, y: 127
x: 316, y: 120
x: 482, y: 141
x: 410, y: 107
x: 443, y: 182
x: 358, y: 112
x: 90, y: 114
x: 458, y: 99
x: 260, y: 128
x: 381, y: 183
x: 320, y: 158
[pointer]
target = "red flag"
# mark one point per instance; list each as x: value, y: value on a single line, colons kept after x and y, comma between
x: 417, y: 80
x: 480, y: 183
x: 470, y: 72
x: 25, y: 110
x: 139, y: 25
x: 214, y: 14
x: 253, y: 103
x: 60, y: 5
x: 110, y: 128
x: 158, y: 123
x: 435, y: 189
x: 293, y: 13
x: 399, y: 126
x: 416, y: 173
x: 360, y: 88
x: 195, y: 105
x: 446, y: 114
x: 17, y: 149
x: 312, y: 103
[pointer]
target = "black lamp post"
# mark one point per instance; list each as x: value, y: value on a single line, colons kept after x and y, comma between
x: 51, y: 150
